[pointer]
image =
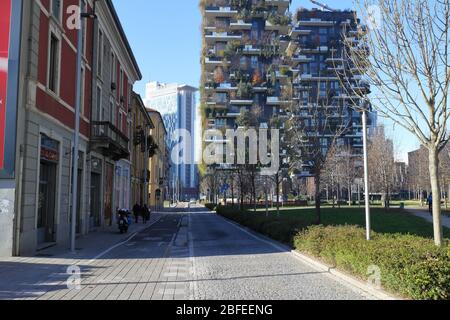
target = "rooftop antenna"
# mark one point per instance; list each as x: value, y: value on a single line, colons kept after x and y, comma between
x: 323, y: 6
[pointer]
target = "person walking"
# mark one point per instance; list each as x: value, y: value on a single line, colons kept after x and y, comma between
x: 146, y: 214
x: 136, y: 212
x: 430, y: 203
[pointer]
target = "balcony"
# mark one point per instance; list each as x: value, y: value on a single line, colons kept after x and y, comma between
x: 277, y: 27
x: 212, y: 62
x: 213, y: 37
x: 276, y: 101
x: 296, y: 60
x: 241, y: 102
x: 295, y: 32
x: 335, y: 60
x: 282, y: 5
x: 240, y: 25
x: 216, y: 12
x: 109, y: 140
x: 316, y: 23
x: 251, y: 50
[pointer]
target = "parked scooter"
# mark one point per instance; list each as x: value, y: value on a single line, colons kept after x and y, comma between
x: 123, y: 220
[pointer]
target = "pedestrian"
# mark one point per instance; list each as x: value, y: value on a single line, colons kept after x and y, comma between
x: 136, y: 212
x: 430, y: 203
x: 146, y: 214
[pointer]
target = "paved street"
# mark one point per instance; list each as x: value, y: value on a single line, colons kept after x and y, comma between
x: 184, y: 254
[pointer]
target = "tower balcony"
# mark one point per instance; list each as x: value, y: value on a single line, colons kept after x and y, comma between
x: 220, y: 12
x: 316, y: 23
x: 276, y: 27
x: 242, y: 102
x: 295, y: 32
x: 212, y: 62
x: 240, y: 25
x: 298, y: 59
x: 213, y: 37
x: 276, y: 101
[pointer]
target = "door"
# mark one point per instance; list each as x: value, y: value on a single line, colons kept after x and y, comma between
x: 95, y: 200
x: 109, y: 182
x: 46, y: 204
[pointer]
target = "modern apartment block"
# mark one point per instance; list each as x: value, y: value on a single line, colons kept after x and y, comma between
x: 320, y: 86
x: 243, y: 43
x: 177, y: 105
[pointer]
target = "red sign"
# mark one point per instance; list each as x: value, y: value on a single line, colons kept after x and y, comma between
x: 5, y: 22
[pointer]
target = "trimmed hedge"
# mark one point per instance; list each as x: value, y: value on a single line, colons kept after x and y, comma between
x: 283, y: 229
x: 411, y: 266
x: 211, y: 206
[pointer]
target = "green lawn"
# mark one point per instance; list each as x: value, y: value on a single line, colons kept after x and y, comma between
x: 392, y: 221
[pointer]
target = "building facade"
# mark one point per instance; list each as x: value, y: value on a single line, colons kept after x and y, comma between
x: 177, y: 105
x: 242, y: 66
x: 320, y: 94
x: 115, y: 71
x: 46, y: 120
x: 142, y: 148
x: 158, y: 190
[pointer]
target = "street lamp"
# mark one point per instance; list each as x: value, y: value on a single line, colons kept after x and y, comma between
x: 366, y: 172
x: 76, y: 138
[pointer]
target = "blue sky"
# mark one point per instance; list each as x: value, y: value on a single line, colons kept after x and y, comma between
x: 166, y: 40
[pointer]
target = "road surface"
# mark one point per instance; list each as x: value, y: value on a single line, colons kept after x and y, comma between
x: 188, y: 253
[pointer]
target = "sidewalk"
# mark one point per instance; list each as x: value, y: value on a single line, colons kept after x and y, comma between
x: 28, y: 277
x: 424, y: 214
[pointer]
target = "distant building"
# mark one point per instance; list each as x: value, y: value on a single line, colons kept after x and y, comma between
x: 177, y: 105
x: 157, y: 187
x: 142, y: 147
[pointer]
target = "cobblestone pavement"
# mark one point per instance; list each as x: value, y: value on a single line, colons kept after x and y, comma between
x: 147, y: 266
x: 186, y: 253
x: 232, y: 263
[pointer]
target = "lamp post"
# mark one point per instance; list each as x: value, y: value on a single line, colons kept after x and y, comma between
x: 76, y: 139
x: 366, y: 173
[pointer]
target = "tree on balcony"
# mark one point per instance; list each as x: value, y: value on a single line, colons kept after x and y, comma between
x: 219, y: 76
x: 257, y: 78
x: 244, y: 90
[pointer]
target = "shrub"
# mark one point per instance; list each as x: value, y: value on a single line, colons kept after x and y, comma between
x: 211, y: 206
x: 281, y: 228
x: 410, y: 265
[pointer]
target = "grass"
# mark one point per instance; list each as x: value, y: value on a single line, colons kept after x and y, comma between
x: 392, y: 221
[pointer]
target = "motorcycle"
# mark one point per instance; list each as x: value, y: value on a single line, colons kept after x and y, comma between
x: 123, y: 221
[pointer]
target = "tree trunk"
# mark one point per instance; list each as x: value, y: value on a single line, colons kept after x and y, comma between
x: 232, y: 192
x: 317, y: 198
x: 277, y: 177
x: 436, y: 191
x: 349, y: 194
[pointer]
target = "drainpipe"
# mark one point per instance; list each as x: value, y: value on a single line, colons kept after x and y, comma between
x: 18, y: 221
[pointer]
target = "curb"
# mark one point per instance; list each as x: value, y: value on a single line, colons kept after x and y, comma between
x: 378, y: 293
x: 312, y: 262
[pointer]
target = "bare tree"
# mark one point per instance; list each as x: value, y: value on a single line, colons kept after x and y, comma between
x: 381, y: 165
x: 404, y: 57
x: 312, y: 129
